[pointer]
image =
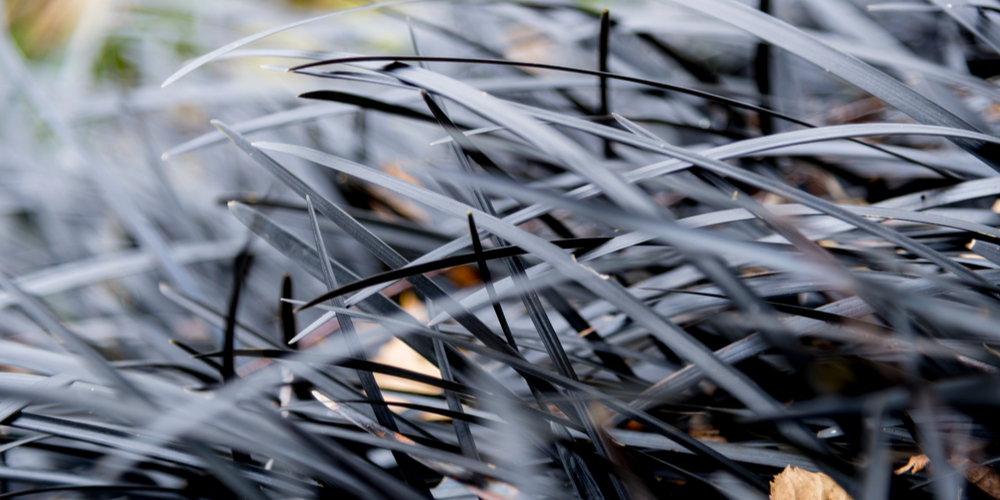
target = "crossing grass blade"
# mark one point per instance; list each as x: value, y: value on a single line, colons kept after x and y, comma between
x: 661, y: 249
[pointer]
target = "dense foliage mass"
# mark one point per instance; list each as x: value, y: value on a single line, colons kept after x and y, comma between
x: 500, y: 249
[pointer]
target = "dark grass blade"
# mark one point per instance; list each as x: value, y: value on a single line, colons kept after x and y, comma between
x: 288, y: 328
x: 651, y: 83
x: 241, y: 266
x: 603, y: 41
x: 370, y: 241
x: 455, y: 261
x: 784, y: 190
x: 858, y: 73
x: 602, y: 61
x: 368, y: 103
x: 553, y: 347
x: 677, y: 339
x: 300, y: 388
x: 382, y: 413
x: 653, y: 424
x: 487, y: 277
x: 194, y: 353
x: 305, y: 256
x: 762, y: 73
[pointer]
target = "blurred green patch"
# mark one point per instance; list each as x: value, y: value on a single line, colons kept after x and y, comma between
x: 114, y: 64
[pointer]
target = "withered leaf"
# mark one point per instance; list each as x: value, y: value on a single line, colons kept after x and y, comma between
x: 794, y: 483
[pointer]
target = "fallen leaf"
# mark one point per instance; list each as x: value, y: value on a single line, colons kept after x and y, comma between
x: 701, y: 428
x: 916, y: 464
x: 797, y: 484
x: 983, y: 476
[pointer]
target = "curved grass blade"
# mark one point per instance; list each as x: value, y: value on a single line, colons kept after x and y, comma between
x: 532, y: 132
x: 40, y: 314
x: 368, y: 382
x: 241, y: 267
x: 305, y: 256
x: 653, y: 424
x: 478, y: 482
x: 583, y: 244
x: 650, y: 83
x: 983, y: 187
x: 207, y: 58
x: 788, y: 192
x: 976, y: 18
x: 860, y: 74
x: 679, y: 340
x: 380, y: 249
x: 368, y: 103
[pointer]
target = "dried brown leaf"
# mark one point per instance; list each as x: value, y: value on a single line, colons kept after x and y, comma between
x: 797, y: 484
x: 983, y: 476
x: 916, y: 464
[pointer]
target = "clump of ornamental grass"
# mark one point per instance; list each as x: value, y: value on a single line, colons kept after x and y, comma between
x: 505, y: 250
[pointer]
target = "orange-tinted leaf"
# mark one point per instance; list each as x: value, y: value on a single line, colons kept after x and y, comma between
x: 797, y: 484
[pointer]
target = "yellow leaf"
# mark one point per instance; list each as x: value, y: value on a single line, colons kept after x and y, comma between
x: 797, y: 484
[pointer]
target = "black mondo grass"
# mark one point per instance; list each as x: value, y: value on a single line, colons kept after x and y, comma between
x: 499, y: 250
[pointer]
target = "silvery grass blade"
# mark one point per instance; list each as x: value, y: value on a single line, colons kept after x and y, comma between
x: 979, y: 18
x: 529, y: 130
x: 371, y: 388
x: 207, y: 58
x: 694, y: 240
x: 988, y: 251
x: 679, y: 340
x: 584, y: 390
x: 865, y: 77
x: 214, y: 317
x: 305, y: 256
x: 84, y: 272
x: 359, y: 60
x: 380, y: 249
x: 747, y: 147
x: 482, y: 481
x: 786, y: 191
x: 40, y: 314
